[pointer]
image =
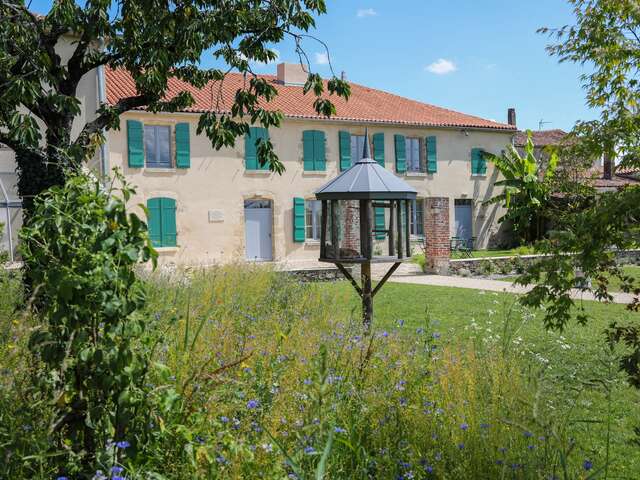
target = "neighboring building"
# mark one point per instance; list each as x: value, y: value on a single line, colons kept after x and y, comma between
x: 542, y: 139
x: 209, y: 206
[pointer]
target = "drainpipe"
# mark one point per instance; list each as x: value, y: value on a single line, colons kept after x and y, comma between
x: 7, y: 210
x: 104, y: 148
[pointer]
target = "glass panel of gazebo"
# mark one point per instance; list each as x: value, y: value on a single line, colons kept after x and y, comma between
x: 348, y: 231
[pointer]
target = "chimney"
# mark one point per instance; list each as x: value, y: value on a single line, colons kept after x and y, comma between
x: 607, y: 170
x: 511, y: 117
x: 343, y: 76
x: 292, y: 74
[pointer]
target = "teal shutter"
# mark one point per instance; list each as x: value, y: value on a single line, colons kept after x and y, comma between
x: 319, y: 153
x: 183, y: 146
x: 251, y: 149
x: 135, y: 143
x: 154, y: 221
x: 308, y: 150
x: 298, y: 219
x: 401, y: 154
x: 345, y: 150
x: 379, y: 220
x: 432, y: 155
x: 378, y: 148
x: 478, y: 162
x: 169, y: 232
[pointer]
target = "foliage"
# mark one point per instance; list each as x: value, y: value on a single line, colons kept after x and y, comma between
x: 263, y: 369
x: 155, y: 42
x: 81, y: 248
x: 526, y: 188
x: 4, y: 256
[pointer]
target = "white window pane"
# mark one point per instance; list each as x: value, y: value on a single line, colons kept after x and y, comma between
x: 150, y: 144
x: 164, y: 145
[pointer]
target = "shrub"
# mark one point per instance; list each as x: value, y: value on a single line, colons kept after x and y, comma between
x: 486, y: 267
x: 80, y: 249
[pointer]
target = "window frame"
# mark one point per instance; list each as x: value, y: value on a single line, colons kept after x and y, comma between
x: 172, y: 163
x: 422, y: 168
x: 413, y: 222
x: 315, y: 213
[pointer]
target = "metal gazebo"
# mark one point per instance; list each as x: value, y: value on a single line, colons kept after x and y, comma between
x: 349, y: 234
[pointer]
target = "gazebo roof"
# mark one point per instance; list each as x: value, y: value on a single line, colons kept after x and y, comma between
x: 366, y: 180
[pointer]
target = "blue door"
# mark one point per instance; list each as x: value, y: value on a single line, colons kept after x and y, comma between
x: 463, y: 219
x: 258, y: 230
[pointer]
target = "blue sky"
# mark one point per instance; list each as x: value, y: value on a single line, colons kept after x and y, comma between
x: 478, y: 57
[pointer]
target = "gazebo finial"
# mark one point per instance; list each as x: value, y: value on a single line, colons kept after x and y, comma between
x: 366, y: 152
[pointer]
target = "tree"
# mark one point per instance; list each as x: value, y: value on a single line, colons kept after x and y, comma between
x: 154, y: 41
x: 606, y: 38
x: 526, y: 188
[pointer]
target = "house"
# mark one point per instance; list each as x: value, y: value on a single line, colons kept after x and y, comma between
x: 210, y: 206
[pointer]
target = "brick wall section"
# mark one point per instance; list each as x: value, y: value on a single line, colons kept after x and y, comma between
x: 351, y: 211
x: 436, y: 232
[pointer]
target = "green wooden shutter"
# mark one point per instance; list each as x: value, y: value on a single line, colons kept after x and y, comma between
x: 251, y: 149
x: 378, y: 148
x: 308, y: 150
x: 169, y: 231
x: 478, y: 162
x: 298, y: 219
x: 154, y: 221
x: 401, y: 154
x: 135, y: 143
x: 379, y: 221
x: 345, y: 150
x: 432, y: 155
x: 183, y: 146
x: 319, y: 153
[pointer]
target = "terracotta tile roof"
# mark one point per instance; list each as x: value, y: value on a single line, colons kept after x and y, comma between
x: 596, y: 178
x: 366, y: 105
x: 541, y: 138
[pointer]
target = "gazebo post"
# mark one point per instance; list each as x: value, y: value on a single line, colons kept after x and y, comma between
x: 335, y: 241
x: 407, y: 231
x: 399, y: 215
x: 366, y: 250
x: 323, y: 230
x: 392, y: 228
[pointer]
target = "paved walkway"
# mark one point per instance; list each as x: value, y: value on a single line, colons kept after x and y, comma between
x: 492, y: 286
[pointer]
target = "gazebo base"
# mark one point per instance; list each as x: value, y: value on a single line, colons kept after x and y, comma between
x: 365, y: 260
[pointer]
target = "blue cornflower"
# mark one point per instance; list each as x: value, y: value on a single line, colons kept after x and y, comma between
x: 528, y: 434
x: 502, y: 449
x: 403, y: 402
x: 400, y: 323
x: 309, y: 450
x: 461, y: 446
x: 117, y: 477
x: 224, y: 419
x: 484, y: 425
x: 221, y: 459
x: 436, y: 335
x: 499, y: 462
x: 340, y: 430
x: 385, y: 334
x: 252, y: 404
x: 464, y: 426
x: 116, y: 470
x: 200, y: 439
x: 531, y: 447
x: 307, y: 381
x: 123, y: 444
x: 587, y: 464
x: 419, y: 330
x: 62, y: 478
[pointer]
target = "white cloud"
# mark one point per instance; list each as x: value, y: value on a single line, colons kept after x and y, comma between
x: 322, y: 58
x: 366, y: 12
x: 441, y: 67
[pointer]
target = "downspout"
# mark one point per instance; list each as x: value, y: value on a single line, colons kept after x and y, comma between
x: 104, y: 147
x: 7, y: 209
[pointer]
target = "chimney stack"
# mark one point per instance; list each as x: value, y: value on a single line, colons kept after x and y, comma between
x: 607, y: 167
x: 343, y: 76
x: 292, y: 74
x: 511, y: 117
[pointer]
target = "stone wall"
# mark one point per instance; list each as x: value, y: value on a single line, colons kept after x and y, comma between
x: 329, y: 274
x: 517, y: 264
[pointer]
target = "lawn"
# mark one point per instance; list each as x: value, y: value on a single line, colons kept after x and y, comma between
x: 256, y: 375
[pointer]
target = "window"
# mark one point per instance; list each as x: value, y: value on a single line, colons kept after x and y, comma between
x: 417, y: 218
x: 162, y: 222
x: 313, y: 210
x: 357, y: 148
x: 414, y: 154
x: 157, y: 146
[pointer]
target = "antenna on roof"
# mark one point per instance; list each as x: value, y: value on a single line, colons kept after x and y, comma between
x: 366, y: 152
x: 542, y: 123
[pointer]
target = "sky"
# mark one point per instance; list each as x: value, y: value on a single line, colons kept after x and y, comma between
x: 475, y: 56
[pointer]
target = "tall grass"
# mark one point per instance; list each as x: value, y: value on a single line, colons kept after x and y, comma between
x: 259, y: 376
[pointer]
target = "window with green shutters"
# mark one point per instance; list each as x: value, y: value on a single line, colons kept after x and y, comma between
x: 251, y: 148
x: 432, y: 155
x: 161, y: 221
x: 379, y: 222
x: 345, y: 150
x: 313, y: 143
x: 401, y: 153
x: 150, y: 145
x: 378, y: 148
x: 478, y: 162
x: 298, y: 220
